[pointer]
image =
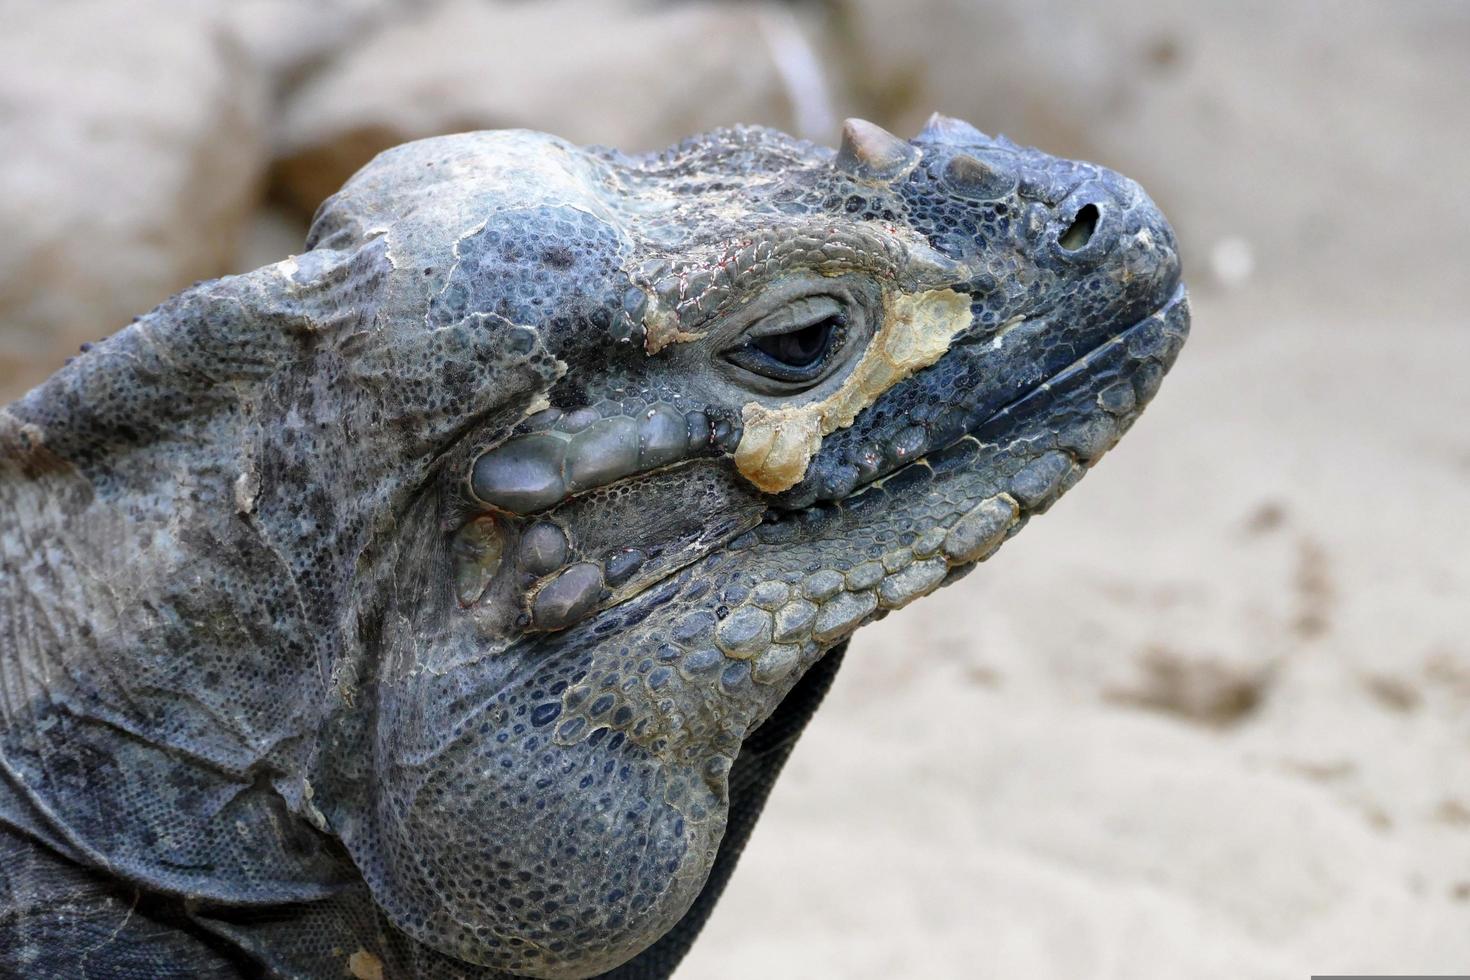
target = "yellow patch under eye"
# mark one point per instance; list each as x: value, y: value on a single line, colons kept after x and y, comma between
x: 778, y: 443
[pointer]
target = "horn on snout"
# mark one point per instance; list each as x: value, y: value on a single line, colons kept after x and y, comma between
x: 870, y: 152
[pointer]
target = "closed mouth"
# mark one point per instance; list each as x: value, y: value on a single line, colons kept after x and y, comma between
x: 999, y: 455
x: 1093, y: 369
x: 1170, y: 312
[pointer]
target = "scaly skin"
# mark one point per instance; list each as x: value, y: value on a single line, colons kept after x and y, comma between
x: 443, y: 601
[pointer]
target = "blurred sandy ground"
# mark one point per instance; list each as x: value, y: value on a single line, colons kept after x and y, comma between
x: 1208, y: 718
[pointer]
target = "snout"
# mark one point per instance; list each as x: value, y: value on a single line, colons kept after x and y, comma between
x: 1109, y: 224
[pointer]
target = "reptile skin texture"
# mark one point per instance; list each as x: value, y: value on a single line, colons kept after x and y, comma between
x: 445, y: 600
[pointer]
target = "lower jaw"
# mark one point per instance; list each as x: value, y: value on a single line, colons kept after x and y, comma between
x: 841, y: 564
x: 932, y: 521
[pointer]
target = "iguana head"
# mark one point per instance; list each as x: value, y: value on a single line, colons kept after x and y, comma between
x: 576, y: 461
x: 786, y: 391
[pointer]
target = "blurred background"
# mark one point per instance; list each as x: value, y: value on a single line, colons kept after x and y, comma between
x: 1211, y: 716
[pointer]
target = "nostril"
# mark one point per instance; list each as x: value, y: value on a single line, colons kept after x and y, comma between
x: 1079, y: 232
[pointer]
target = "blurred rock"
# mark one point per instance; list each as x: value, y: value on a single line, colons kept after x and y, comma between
x: 632, y: 75
x: 286, y: 39
x: 134, y: 147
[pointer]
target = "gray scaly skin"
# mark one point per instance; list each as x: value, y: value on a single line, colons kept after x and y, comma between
x: 443, y: 601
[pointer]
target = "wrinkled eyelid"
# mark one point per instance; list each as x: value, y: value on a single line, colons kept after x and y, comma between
x: 827, y: 333
x: 797, y: 315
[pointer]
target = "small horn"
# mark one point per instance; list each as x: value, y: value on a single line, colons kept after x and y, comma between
x: 949, y: 128
x: 871, y: 152
x: 974, y: 178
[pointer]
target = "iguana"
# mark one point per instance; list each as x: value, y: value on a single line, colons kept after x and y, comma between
x: 443, y: 601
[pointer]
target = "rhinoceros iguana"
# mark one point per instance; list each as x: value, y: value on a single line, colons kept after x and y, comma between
x: 443, y: 601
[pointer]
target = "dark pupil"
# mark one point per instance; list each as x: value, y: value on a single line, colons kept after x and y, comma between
x: 801, y: 348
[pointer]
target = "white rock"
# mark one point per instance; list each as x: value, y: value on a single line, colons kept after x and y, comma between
x: 622, y: 74
x: 134, y: 147
x: 286, y: 38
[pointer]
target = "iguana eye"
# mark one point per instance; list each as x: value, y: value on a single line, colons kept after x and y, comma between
x: 803, y: 348
x: 795, y: 344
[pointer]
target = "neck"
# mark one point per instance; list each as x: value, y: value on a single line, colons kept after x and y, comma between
x: 162, y: 670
